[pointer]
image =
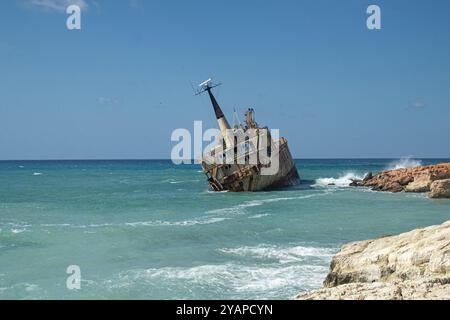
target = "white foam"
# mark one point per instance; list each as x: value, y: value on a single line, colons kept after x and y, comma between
x: 37, y: 174
x: 56, y: 225
x: 281, y: 254
x: 206, y: 220
x: 257, y: 216
x: 31, y: 287
x: 151, y: 223
x: 241, y: 281
x: 182, y: 181
x: 240, y: 208
x: 216, y: 192
x: 283, y: 277
x: 16, y: 231
x: 342, y: 181
x: 405, y: 162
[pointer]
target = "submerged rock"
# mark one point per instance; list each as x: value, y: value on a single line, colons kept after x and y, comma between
x: 440, y: 189
x: 356, y: 183
x: 412, y: 265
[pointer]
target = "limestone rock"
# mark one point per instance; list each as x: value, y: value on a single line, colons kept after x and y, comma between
x: 412, y: 265
x: 440, y: 189
x: 416, y: 179
x: 419, y: 184
x: 368, y: 177
x: 436, y: 289
x: 405, y: 180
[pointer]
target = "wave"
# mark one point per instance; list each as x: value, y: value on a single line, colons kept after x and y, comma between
x: 209, y: 217
x: 173, y: 181
x: 27, y: 291
x: 257, y: 216
x: 342, y: 181
x: 230, y: 280
x: 281, y: 272
x: 405, y: 162
x: 16, y: 231
x: 37, y: 174
x: 150, y: 223
x: 207, y: 220
x: 281, y: 254
x: 240, y: 208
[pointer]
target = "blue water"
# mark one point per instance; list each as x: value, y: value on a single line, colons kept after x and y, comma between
x: 152, y: 230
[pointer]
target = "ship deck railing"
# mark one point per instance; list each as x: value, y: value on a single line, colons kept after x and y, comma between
x: 217, y: 157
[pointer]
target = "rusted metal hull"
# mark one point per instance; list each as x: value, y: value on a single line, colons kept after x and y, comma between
x: 238, y: 178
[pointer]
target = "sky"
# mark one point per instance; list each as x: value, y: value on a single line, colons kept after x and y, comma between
x: 117, y: 88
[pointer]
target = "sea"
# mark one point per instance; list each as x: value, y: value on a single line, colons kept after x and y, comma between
x: 149, y: 229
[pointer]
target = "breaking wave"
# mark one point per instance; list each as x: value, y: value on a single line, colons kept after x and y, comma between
x: 405, y: 162
x: 284, y: 277
x: 342, y: 181
x: 282, y: 255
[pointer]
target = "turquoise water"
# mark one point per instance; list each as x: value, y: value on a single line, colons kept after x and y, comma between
x: 152, y: 230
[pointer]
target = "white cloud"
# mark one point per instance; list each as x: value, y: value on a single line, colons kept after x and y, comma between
x: 417, y: 104
x: 55, y: 5
x: 61, y: 5
x: 107, y: 101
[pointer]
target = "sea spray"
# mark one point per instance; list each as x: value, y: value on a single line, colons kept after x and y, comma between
x: 342, y: 181
x: 405, y: 162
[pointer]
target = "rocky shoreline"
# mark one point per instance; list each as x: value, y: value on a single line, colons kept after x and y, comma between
x: 412, y: 265
x: 434, y: 179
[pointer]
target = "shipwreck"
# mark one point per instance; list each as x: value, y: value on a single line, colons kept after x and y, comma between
x: 247, y: 157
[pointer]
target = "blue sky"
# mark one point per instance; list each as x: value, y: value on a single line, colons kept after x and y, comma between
x: 118, y: 87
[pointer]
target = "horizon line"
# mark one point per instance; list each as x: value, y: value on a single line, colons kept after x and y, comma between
x: 193, y: 160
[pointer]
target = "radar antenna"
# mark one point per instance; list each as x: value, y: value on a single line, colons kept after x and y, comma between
x: 206, y: 85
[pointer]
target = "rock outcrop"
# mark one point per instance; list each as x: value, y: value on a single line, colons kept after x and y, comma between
x: 418, y: 179
x: 412, y: 265
x: 440, y: 189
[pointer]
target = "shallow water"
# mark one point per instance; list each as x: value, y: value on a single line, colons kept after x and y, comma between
x: 152, y: 230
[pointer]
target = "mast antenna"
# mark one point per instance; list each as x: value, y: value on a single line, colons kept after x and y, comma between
x: 236, y: 121
x: 206, y: 85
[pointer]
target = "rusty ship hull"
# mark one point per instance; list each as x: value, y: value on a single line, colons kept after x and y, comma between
x: 239, y: 178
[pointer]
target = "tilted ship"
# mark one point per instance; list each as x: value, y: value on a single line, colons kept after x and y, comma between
x: 248, y: 157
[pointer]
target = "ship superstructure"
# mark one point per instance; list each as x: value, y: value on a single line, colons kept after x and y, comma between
x: 248, y: 158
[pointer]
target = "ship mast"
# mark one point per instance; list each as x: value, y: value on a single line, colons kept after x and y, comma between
x: 221, y: 119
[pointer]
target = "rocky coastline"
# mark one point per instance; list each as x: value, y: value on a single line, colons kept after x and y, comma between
x: 434, y: 180
x: 412, y: 265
